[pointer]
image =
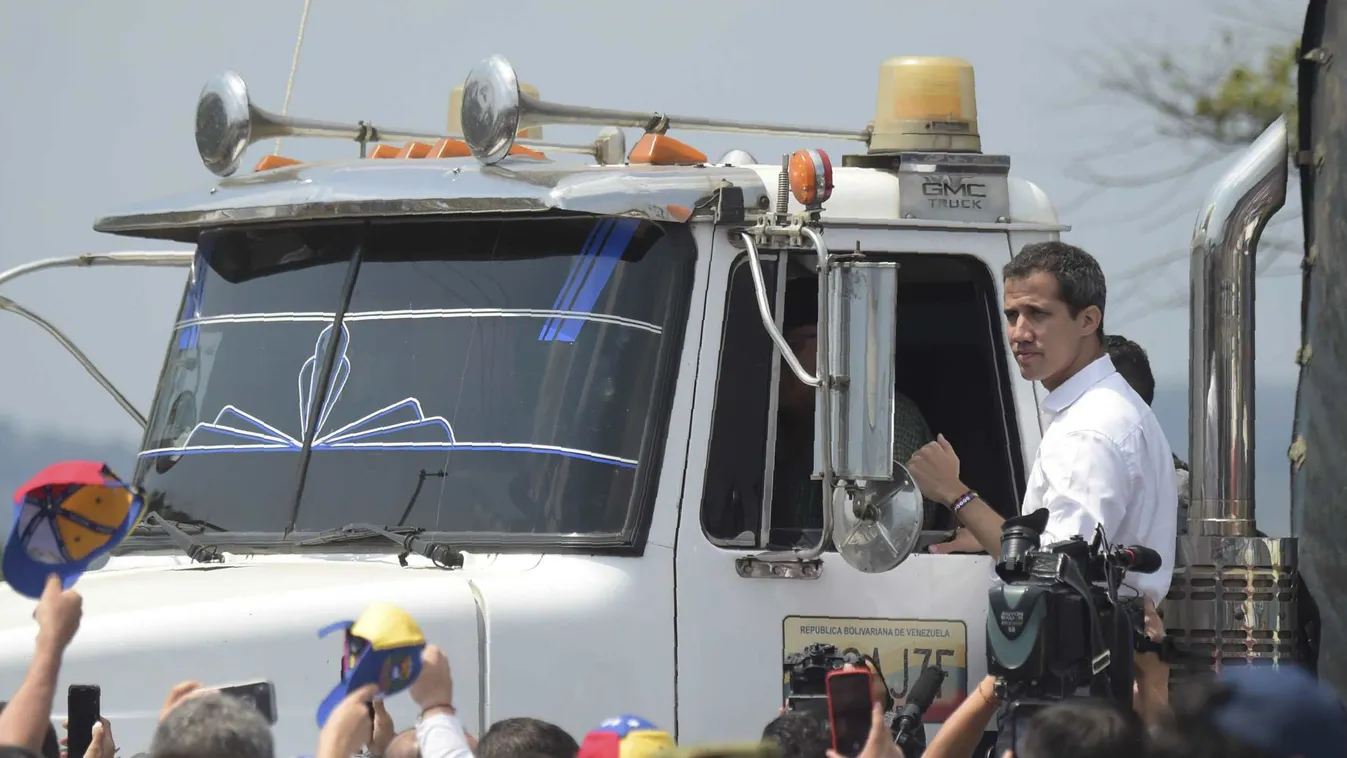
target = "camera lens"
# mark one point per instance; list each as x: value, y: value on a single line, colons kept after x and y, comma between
x: 1016, y: 541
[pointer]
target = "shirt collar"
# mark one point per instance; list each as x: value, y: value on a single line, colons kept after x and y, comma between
x: 1070, y: 390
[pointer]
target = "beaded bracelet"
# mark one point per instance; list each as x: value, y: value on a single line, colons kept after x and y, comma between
x: 963, y: 500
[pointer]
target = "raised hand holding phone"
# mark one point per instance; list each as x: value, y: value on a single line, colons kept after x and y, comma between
x: 850, y: 701
x: 83, y: 709
x: 880, y: 743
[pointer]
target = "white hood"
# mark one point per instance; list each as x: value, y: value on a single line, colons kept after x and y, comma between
x: 149, y: 624
x: 567, y: 638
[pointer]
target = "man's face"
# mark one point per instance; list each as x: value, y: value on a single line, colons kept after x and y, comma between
x: 1046, y: 339
x: 796, y: 396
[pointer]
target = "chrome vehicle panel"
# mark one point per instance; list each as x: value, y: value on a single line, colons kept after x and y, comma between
x: 400, y: 188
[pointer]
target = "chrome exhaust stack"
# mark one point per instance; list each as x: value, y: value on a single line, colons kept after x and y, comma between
x: 1233, y: 599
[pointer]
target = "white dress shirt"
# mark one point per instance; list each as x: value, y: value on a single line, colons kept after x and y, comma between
x: 1105, y: 461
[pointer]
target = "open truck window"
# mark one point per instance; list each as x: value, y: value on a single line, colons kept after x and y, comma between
x: 951, y: 365
x: 491, y: 378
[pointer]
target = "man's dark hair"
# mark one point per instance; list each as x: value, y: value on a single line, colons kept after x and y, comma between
x: 798, y: 735
x: 1130, y: 360
x: 1080, y: 280
x: 212, y: 726
x: 1081, y: 727
x: 526, y: 738
x: 51, y: 744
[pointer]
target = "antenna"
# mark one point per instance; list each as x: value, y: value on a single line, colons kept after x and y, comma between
x: 294, y: 66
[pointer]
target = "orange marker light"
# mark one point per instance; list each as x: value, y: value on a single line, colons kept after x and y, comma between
x: 663, y: 150
x: 811, y: 177
x: 450, y: 148
x: 414, y: 149
x: 269, y: 162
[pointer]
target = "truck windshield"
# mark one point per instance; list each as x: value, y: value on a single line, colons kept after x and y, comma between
x: 489, y: 377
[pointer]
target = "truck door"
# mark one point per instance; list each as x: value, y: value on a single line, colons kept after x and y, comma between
x: 733, y: 630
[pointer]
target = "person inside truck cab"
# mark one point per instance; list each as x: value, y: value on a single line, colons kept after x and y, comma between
x: 797, y: 499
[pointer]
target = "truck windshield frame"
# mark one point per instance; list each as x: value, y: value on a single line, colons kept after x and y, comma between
x: 501, y: 382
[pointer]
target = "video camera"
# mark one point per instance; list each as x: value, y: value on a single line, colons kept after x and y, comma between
x: 1056, y: 624
x: 807, y: 674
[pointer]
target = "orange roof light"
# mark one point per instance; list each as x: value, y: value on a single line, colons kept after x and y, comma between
x: 663, y: 150
x: 450, y: 148
x: 385, y: 151
x: 414, y: 149
x: 269, y: 162
x: 811, y: 177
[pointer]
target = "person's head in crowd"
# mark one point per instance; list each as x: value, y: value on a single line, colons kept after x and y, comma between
x: 1257, y: 712
x: 1054, y: 308
x: 526, y: 738
x: 798, y: 735
x: 51, y: 744
x: 1130, y: 360
x: 626, y: 736
x: 1082, y: 727
x: 212, y: 725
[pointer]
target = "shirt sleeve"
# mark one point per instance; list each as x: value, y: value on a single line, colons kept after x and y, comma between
x: 1087, y: 485
x: 441, y: 735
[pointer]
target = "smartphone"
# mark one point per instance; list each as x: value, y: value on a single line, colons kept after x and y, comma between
x: 260, y: 694
x: 850, y: 701
x: 84, y: 706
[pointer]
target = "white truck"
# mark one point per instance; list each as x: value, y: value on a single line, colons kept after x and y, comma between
x: 534, y: 403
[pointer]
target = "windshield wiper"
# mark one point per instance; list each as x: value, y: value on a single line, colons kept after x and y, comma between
x: 438, y: 553
x: 199, y: 552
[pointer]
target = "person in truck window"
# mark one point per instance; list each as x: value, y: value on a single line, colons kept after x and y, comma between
x: 1103, y: 461
x: 1130, y: 360
x: 797, y: 498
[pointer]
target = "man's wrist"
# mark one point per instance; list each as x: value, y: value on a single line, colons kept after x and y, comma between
x: 438, y: 708
x: 947, y: 498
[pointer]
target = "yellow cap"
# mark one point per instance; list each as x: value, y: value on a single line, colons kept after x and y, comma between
x: 456, y: 112
x: 926, y: 103
x: 387, y: 627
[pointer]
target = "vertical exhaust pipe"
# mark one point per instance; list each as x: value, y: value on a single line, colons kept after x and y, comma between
x: 1234, y: 599
x: 1221, y: 336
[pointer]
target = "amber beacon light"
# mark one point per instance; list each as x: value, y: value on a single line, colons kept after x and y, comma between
x: 926, y: 103
x: 811, y: 177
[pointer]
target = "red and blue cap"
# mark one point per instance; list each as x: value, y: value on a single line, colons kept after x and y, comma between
x: 382, y: 647
x: 625, y: 737
x: 66, y: 517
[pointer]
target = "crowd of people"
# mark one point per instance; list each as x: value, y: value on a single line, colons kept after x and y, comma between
x: 1102, y: 464
x: 1244, y: 713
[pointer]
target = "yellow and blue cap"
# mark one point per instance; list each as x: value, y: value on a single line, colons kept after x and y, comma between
x: 382, y: 647
x: 66, y: 517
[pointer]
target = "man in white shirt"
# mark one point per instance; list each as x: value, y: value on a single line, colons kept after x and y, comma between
x: 1103, y: 460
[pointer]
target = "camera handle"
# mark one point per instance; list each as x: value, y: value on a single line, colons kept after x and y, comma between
x: 1101, y: 652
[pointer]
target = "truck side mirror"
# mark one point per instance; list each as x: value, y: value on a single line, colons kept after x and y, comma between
x: 861, y: 345
x: 877, y: 507
x: 876, y: 526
